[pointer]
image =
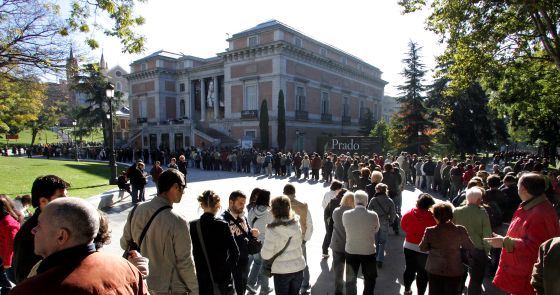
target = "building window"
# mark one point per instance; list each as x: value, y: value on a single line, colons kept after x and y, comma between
x: 143, y: 108
x: 251, y: 134
x: 298, y: 42
x: 143, y: 66
x: 253, y: 41
x: 345, y: 106
x: 362, y: 110
x: 118, y: 73
x: 182, y: 87
x: 323, y: 51
x: 182, y: 108
x: 325, y: 103
x: 343, y: 60
x: 360, y: 67
x: 118, y: 86
x: 250, y: 102
x: 300, y: 98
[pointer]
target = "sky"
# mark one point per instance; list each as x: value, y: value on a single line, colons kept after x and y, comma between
x: 374, y: 31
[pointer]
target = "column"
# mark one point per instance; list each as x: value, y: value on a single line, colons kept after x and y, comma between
x: 202, y: 101
x: 216, y: 98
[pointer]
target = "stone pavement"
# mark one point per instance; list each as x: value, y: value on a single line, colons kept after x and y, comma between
x: 389, y: 279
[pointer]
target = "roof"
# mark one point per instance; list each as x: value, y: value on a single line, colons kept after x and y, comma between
x: 161, y: 53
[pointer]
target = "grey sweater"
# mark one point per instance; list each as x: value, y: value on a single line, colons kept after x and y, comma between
x: 339, y: 234
x: 360, y: 225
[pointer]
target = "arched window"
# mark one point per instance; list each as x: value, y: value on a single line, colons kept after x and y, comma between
x: 182, y: 108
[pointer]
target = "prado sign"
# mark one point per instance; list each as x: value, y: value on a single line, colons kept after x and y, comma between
x: 353, y: 144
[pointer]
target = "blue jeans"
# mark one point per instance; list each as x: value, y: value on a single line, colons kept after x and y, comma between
x: 369, y: 270
x: 288, y: 284
x: 305, y: 286
x: 381, y: 241
x: 256, y: 277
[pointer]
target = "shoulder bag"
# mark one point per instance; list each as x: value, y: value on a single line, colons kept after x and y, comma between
x: 267, y: 264
x: 218, y: 290
x: 131, y: 245
x: 254, y: 245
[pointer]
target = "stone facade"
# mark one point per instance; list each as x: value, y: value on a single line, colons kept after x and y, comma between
x: 175, y: 97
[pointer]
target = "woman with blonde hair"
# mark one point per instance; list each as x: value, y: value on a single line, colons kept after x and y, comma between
x: 214, y: 249
x: 284, y: 240
x: 338, y: 241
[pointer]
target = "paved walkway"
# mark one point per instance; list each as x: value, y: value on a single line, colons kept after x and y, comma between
x: 389, y: 279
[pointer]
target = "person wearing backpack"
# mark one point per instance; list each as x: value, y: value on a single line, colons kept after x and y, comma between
x: 385, y: 209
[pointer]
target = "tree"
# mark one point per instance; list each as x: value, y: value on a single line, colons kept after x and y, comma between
x: 381, y: 131
x: 412, y: 118
x: 21, y: 100
x: 366, y: 123
x: 486, y: 33
x: 263, y: 124
x: 281, y: 121
x: 92, y: 83
x: 47, y: 117
x: 33, y: 33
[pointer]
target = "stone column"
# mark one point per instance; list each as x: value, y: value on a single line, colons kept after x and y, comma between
x: 216, y: 98
x: 202, y: 101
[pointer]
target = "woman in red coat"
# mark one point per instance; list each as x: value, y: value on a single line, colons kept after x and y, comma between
x: 534, y: 222
x: 9, y: 227
x: 414, y: 224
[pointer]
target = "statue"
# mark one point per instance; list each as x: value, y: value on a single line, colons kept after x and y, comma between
x: 211, y: 94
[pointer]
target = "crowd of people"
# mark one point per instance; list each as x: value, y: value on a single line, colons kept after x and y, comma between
x: 508, y: 214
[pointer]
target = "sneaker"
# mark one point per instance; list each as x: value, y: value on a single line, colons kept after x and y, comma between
x: 265, y: 292
x: 251, y: 290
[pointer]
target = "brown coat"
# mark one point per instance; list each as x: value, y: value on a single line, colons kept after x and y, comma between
x: 98, y: 273
x: 444, y: 241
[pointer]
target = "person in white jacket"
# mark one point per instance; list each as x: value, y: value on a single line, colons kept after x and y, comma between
x: 288, y: 267
x: 259, y: 217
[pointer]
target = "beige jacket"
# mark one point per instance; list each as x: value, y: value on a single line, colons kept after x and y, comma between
x: 168, y: 246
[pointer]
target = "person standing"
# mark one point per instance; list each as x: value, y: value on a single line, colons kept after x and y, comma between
x: 335, y: 187
x: 475, y: 219
x: 306, y: 224
x: 44, y: 190
x: 137, y: 181
x: 9, y: 227
x: 285, y: 233
x: 444, y: 242
x: 240, y: 229
x: 414, y: 224
x: 385, y: 209
x: 338, y: 240
x: 167, y: 243
x: 156, y: 171
x: 182, y: 165
x: 534, y: 222
x: 360, y: 226
x: 218, y: 246
x: 259, y: 217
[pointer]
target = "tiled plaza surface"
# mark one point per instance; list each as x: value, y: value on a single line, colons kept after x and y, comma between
x: 389, y: 280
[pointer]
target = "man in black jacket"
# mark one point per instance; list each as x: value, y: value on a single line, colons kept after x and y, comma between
x: 240, y: 229
x: 44, y: 190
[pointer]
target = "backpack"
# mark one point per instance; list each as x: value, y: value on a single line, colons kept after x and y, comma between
x: 495, y: 214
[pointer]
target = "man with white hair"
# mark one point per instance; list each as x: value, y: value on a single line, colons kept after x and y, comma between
x: 64, y: 238
x: 475, y: 219
x: 360, y: 225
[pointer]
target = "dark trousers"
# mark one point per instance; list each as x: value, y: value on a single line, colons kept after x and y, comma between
x: 339, y: 259
x: 315, y: 174
x: 287, y: 284
x: 328, y: 237
x: 440, y: 285
x: 6, y: 279
x: 477, y: 272
x: 415, y: 269
x: 240, y: 275
x: 369, y: 270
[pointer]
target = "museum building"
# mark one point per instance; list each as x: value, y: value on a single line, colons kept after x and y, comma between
x: 179, y: 100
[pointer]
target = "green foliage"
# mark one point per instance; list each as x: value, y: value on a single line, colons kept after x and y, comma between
x: 398, y: 140
x: 412, y: 117
x: 48, y: 117
x: 263, y: 124
x: 381, y: 131
x: 21, y: 100
x: 281, y: 121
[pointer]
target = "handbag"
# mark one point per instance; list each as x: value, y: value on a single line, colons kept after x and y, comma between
x: 131, y: 245
x: 222, y: 289
x: 254, y: 245
x: 267, y: 263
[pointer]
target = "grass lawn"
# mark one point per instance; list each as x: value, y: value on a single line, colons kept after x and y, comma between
x: 86, y: 178
x: 44, y: 136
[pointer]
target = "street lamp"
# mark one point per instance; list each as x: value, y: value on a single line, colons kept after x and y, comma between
x: 74, y: 123
x: 110, y: 93
x: 419, y: 134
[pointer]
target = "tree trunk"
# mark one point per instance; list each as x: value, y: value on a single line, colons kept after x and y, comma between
x: 34, y: 132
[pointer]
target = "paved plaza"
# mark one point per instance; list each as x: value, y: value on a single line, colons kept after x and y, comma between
x: 389, y: 279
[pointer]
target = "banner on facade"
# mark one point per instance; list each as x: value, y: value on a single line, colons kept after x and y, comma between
x: 362, y: 145
x: 12, y: 136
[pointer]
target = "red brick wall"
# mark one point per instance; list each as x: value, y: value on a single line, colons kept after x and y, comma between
x: 265, y: 92
x: 290, y: 96
x: 236, y: 98
x: 151, y: 107
x: 254, y: 68
x: 170, y: 86
x: 170, y: 107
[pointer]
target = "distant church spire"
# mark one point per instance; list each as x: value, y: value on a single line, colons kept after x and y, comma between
x: 102, y: 63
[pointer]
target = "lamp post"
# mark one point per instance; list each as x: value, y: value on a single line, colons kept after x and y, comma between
x: 74, y: 123
x: 110, y: 93
x: 419, y: 134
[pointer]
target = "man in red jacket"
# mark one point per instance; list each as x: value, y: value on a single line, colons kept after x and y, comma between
x: 534, y: 222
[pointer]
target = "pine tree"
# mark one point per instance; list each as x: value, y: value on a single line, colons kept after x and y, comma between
x: 281, y: 121
x: 263, y: 124
x: 412, y: 119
